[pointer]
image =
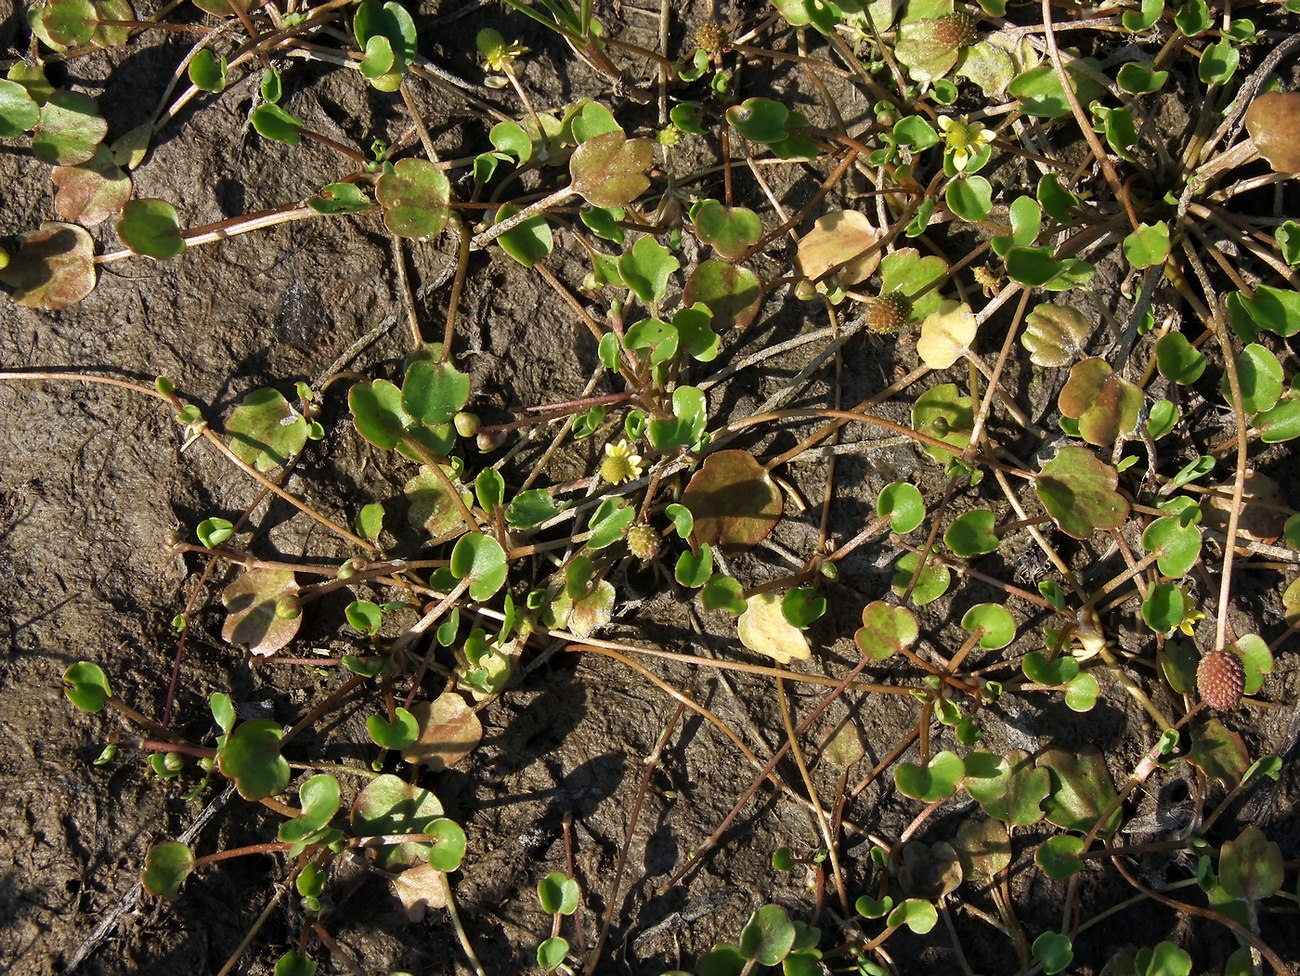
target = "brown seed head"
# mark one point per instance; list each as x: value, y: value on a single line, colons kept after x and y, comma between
x: 955, y: 30
x: 1220, y: 679
x: 889, y: 312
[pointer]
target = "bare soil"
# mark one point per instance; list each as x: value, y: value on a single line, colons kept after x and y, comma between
x: 92, y: 485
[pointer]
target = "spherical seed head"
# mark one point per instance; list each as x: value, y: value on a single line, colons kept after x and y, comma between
x: 955, y: 30
x: 643, y: 542
x: 710, y: 37
x: 1220, y: 679
x: 889, y: 312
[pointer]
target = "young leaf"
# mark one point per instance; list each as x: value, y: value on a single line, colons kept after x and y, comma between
x: 86, y: 686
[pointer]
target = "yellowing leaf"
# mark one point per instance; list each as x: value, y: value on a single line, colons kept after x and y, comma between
x: 839, y: 239
x: 763, y: 628
x: 946, y: 334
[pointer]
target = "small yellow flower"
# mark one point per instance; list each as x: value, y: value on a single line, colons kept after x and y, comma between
x: 1191, y: 616
x: 963, y: 139
x: 620, y: 463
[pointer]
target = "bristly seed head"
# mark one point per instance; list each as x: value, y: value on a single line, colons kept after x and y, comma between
x: 1220, y: 679
x: 643, y: 541
x: 889, y: 312
x: 955, y: 30
x: 710, y: 37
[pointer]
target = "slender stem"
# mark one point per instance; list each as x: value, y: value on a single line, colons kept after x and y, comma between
x: 482, y: 240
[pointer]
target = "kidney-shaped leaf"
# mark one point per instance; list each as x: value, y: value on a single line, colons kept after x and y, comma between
x: 414, y: 197
x: 390, y: 806
x: 609, y: 169
x: 1078, y: 491
x: 763, y: 628
x: 735, y: 503
x: 885, y: 629
x: 92, y: 191
x: 165, y: 868
x: 251, y: 757
x: 250, y: 603
x: 152, y: 228
x: 265, y: 430
x: 449, y: 731
x: 54, y: 268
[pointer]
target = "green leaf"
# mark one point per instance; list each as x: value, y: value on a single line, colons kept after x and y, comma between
x: 223, y: 710
x: 1054, y: 951
x: 336, y: 199
x: 1178, y: 360
x: 390, y: 806
x: 165, y: 868
x: 683, y: 520
x: 1163, y: 608
x: 731, y: 231
x: 694, y: 570
x: 273, y: 122
x: 364, y: 616
x: 646, y: 267
x: 1040, y: 93
x: 1274, y: 310
x: 1280, y: 423
x: 251, y: 757
x: 1179, y: 545
x: 447, y: 847
x: 885, y: 630
x: 931, y: 583
x: 1148, y: 245
x: 768, y: 936
x: 271, y: 87
x: 802, y: 606
x: 1140, y: 77
x: 319, y: 797
x: 370, y: 521
x: 902, y: 502
x: 390, y: 20
x: 1058, y: 857
x: 610, y: 523
x: 972, y: 534
x: 760, y: 120
x: 528, y: 242
x: 1260, y: 376
x: 434, y: 390
x: 152, y: 228
x: 415, y: 197
x: 722, y: 592
x: 531, y: 508
x: 970, y: 198
x: 1078, y: 491
x: 214, y: 531
x: 994, y: 622
x: 1056, y: 201
x: 293, y: 964
x: 265, y: 430
x: 1082, y: 789
x: 1219, y: 62
x: 937, y: 780
x: 1036, y: 267
x: 86, y: 686
x: 552, y: 952
x: 481, y: 560
x: 18, y: 110
x: 558, y: 894
x: 207, y: 71
x: 919, y: 916
x: 1256, y: 660
x: 731, y: 292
